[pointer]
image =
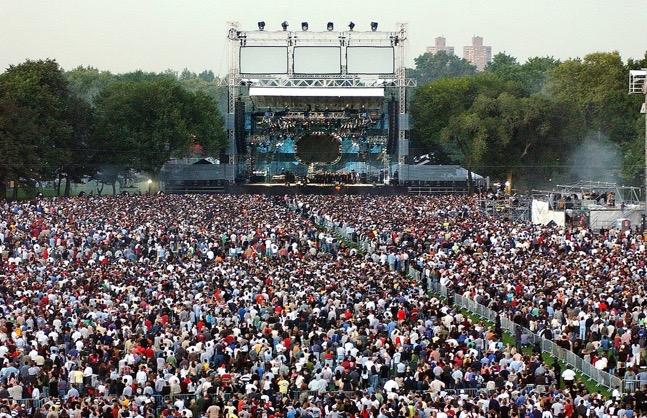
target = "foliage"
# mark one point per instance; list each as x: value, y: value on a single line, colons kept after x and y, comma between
x: 211, y: 89
x: 88, y: 82
x: 436, y: 104
x: 513, y: 119
x: 43, y: 128
x: 207, y: 75
x: 430, y: 67
x: 57, y: 125
x: 596, y: 87
x: 525, y: 120
x: 530, y: 76
x: 141, y: 125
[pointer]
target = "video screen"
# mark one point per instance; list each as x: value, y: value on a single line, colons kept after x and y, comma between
x: 317, y: 60
x: 263, y: 60
x: 370, y: 60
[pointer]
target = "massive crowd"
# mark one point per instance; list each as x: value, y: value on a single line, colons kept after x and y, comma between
x: 240, y: 306
x: 583, y: 289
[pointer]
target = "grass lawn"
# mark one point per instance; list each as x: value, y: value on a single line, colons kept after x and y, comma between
x: 24, y: 194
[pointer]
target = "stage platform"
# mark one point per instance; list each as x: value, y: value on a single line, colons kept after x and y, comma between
x: 311, y: 188
x: 315, y: 188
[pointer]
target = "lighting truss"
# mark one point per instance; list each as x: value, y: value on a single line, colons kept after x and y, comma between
x: 319, y: 82
x: 637, y: 81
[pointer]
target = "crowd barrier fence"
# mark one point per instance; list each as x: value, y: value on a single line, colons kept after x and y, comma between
x: 579, y: 364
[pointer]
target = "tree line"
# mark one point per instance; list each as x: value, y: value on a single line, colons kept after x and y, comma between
x: 527, y: 121
x: 520, y: 121
x: 85, y: 123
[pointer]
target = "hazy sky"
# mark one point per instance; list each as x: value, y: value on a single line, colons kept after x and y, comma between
x: 153, y: 35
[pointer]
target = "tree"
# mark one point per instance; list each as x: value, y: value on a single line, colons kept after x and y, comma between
x: 445, y: 121
x: 535, y: 72
x: 637, y: 64
x: 207, y: 75
x: 18, y: 144
x: 430, y: 67
x: 37, y: 135
x: 88, y: 82
x: 211, y: 88
x: 633, y: 154
x: 528, y: 77
x: 525, y: 136
x: 467, y: 135
x: 487, y: 123
x: 77, y: 165
x: 141, y: 76
x: 596, y: 88
x: 435, y: 103
x: 141, y: 125
x: 502, y: 63
x: 187, y: 75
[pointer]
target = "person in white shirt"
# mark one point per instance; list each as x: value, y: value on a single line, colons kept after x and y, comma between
x: 569, y: 377
x: 141, y: 376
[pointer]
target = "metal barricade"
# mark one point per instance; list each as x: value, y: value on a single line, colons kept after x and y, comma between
x: 579, y: 364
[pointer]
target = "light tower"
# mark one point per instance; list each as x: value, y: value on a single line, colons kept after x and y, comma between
x: 638, y: 85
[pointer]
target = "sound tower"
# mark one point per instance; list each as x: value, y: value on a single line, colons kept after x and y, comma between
x: 239, y: 126
x: 392, y: 143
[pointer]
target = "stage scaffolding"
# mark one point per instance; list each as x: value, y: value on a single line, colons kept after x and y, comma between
x: 585, y: 194
x: 239, y: 81
x: 592, y: 204
x: 515, y: 208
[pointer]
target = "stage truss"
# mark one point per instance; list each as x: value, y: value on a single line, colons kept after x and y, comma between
x: 396, y: 79
x: 325, y: 82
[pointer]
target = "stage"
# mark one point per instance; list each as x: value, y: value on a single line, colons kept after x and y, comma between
x: 321, y: 106
x: 322, y: 189
x: 342, y: 124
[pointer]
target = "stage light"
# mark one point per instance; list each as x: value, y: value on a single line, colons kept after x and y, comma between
x: 304, y: 26
x: 284, y: 25
x: 261, y: 25
x: 373, y: 26
x: 330, y: 26
x: 351, y: 26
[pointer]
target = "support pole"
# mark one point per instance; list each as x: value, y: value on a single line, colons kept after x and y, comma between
x: 233, y: 84
x: 403, y: 142
x: 637, y: 85
x: 645, y: 91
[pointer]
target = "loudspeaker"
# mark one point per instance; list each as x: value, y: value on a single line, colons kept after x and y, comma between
x: 239, y: 126
x: 392, y: 142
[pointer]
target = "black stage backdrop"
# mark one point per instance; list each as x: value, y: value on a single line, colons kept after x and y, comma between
x: 318, y: 149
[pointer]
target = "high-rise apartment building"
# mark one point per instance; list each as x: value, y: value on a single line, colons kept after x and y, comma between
x: 440, y: 45
x: 478, y: 54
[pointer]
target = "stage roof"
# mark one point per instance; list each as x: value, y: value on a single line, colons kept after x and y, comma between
x: 317, y: 92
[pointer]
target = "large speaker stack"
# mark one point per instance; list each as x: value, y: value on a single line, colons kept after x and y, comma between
x: 239, y: 126
x: 392, y: 143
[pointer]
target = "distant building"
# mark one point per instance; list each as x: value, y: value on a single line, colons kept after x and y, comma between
x: 478, y: 54
x: 440, y: 45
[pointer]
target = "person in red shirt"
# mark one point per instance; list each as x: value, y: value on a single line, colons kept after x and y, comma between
x: 348, y: 314
x: 401, y: 315
x: 287, y: 342
x: 568, y: 409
